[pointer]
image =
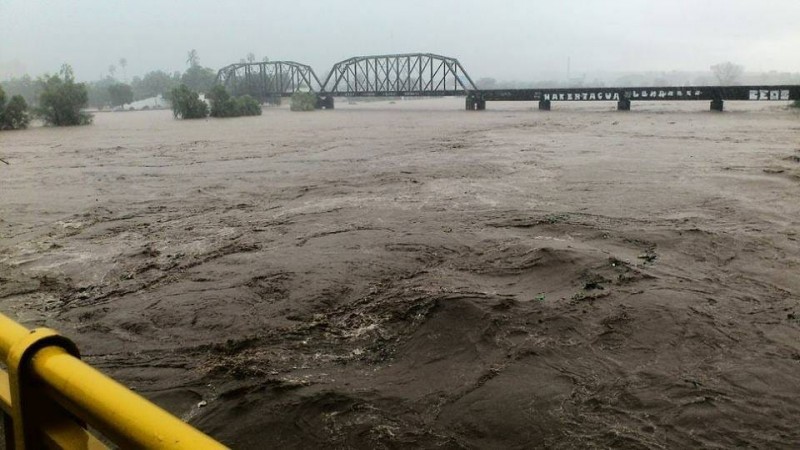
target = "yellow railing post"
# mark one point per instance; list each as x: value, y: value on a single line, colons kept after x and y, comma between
x: 28, y: 403
x: 51, y: 395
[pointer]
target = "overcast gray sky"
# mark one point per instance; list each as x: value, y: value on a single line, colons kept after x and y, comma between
x: 506, y: 39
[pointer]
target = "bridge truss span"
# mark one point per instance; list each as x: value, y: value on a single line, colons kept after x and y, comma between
x: 409, y: 74
x: 268, y: 81
x: 432, y: 75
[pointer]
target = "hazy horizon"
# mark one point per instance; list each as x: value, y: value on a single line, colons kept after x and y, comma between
x: 521, y: 40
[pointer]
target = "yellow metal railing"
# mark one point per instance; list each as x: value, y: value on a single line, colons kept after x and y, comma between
x: 50, y: 398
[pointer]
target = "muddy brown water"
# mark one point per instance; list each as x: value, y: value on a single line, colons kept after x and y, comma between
x: 414, y: 275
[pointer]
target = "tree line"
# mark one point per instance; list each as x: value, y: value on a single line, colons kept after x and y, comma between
x: 111, y: 92
x: 186, y: 104
x: 59, y: 100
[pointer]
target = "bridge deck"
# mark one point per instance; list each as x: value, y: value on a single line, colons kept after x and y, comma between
x: 663, y: 93
x: 476, y: 99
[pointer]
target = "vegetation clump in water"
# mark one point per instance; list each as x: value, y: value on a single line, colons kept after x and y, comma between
x: 62, y: 100
x: 14, y: 115
x: 186, y: 103
x: 223, y: 105
x: 304, y: 101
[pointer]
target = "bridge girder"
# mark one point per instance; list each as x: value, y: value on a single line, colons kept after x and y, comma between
x: 268, y: 80
x: 407, y: 74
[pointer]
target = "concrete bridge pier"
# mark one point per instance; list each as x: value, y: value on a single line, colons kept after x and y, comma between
x: 325, y: 102
x: 544, y: 105
x: 717, y: 104
x: 470, y: 104
x: 273, y: 100
x: 475, y: 104
x: 623, y: 104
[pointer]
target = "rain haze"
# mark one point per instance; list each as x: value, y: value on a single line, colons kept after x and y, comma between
x: 513, y: 40
x: 438, y: 224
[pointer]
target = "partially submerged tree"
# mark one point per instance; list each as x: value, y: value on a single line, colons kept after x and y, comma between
x: 303, y: 101
x: 727, y: 73
x: 223, y: 105
x: 248, y: 106
x: 186, y: 103
x: 120, y: 94
x: 62, y: 100
x: 14, y: 115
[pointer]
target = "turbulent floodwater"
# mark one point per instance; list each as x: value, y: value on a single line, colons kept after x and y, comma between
x: 411, y: 274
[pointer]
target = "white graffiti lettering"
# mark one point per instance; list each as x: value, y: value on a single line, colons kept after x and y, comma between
x: 689, y: 94
x: 766, y: 94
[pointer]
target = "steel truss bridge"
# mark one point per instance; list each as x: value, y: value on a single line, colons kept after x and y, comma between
x: 268, y: 81
x: 410, y: 74
x: 431, y: 75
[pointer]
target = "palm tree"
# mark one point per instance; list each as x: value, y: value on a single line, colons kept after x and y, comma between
x: 112, y: 69
x: 124, y: 63
x: 193, y: 59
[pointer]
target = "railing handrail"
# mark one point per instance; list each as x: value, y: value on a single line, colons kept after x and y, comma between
x: 121, y: 415
x: 10, y: 333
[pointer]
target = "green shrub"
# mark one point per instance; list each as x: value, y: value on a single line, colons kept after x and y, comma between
x: 248, y: 106
x: 304, y: 101
x: 62, y: 99
x: 15, y: 115
x: 186, y: 103
x: 222, y: 105
x: 796, y: 103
